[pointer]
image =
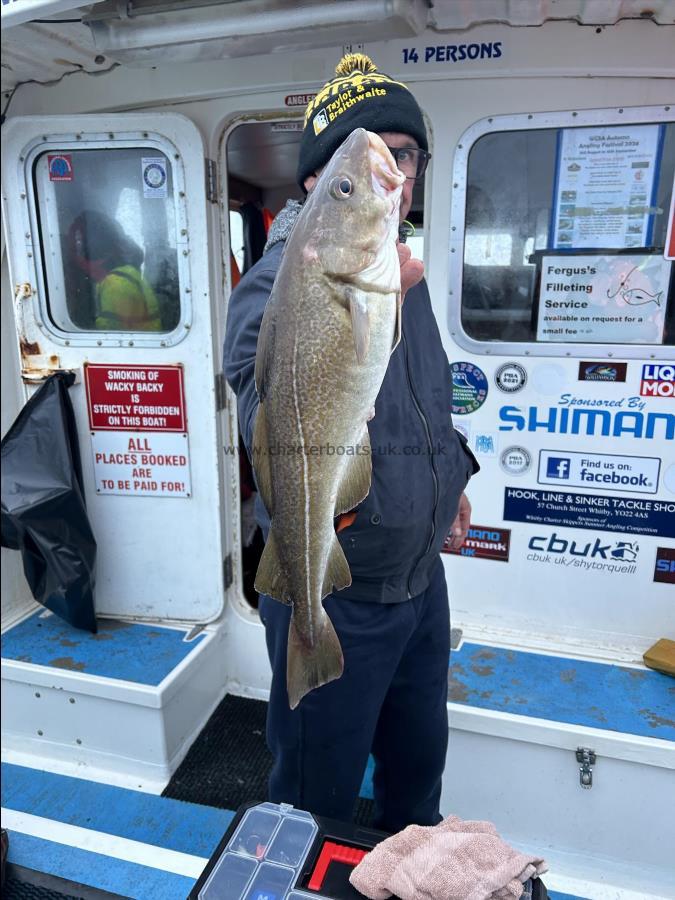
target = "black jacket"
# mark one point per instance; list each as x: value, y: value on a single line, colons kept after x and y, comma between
x: 420, y: 463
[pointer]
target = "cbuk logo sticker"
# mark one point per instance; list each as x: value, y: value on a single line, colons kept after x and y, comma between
x: 618, y: 557
x: 658, y: 380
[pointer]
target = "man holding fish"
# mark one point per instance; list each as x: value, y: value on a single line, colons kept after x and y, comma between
x: 344, y: 398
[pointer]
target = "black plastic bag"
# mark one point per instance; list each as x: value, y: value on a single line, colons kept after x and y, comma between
x: 43, y: 509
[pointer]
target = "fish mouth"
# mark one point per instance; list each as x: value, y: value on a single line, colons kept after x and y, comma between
x: 386, y: 178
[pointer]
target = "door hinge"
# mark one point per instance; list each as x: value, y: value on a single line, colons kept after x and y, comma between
x: 228, y: 577
x: 587, y: 759
x: 211, y: 180
x: 221, y: 392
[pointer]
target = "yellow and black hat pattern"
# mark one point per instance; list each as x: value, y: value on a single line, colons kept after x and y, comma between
x: 358, y: 97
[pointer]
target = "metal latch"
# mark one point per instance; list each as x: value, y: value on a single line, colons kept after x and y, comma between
x: 228, y: 575
x: 221, y: 391
x: 211, y: 180
x: 587, y: 759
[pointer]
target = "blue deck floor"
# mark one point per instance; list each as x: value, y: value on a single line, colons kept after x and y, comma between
x: 144, y: 654
x: 578, y: 692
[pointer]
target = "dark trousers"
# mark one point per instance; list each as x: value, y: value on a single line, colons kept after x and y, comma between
x: 390, y: 700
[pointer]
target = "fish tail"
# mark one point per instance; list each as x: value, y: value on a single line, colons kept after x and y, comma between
x: 311, y: 665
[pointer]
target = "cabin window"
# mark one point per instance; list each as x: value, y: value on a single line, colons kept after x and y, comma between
x: 563, y: 236
x: 107, y: 226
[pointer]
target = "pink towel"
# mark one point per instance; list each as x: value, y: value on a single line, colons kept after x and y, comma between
x: 455, y: 860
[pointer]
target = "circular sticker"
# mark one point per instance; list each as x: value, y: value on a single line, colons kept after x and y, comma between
x: 154, y: 175
x: 510, y: 377
x: 469, y: 388
x: 515, y: 460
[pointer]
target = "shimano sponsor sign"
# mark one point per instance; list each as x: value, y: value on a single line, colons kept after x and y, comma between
x: 625, y: 416
x: 630, y: 515
x: 599, y: 555
x: 599, y: 470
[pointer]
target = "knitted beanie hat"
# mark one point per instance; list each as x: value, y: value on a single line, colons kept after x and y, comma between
x: 358, y: 97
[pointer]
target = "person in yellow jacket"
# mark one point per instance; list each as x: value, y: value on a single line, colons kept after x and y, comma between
x: 124, y: 301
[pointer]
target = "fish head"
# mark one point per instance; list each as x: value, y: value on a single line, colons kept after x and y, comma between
x: 349, y: 224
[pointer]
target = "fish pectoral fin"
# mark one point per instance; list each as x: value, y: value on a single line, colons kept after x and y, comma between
x: 261, y: 459
x: 337, y: 574
x: 358, y: 310
x: 356, y: 480
x: 311, y: 665
x: 269, y: 578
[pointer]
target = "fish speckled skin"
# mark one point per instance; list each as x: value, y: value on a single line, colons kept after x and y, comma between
x: 325, y: 340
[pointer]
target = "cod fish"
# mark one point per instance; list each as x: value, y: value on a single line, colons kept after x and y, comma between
x: 329, y: 328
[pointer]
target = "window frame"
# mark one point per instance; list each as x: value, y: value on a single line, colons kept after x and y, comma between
x: 75, y: 141
x: 609, y: 117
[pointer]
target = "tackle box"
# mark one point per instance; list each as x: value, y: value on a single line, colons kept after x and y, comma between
x: 276, y: 852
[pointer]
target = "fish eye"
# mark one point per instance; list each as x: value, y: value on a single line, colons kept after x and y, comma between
x: 341, y: 187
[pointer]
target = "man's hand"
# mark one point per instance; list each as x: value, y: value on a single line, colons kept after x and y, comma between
x: 460, y: 526
x: 412, y: 270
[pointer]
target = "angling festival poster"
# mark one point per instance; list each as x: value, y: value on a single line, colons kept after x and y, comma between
x: 604, y: 187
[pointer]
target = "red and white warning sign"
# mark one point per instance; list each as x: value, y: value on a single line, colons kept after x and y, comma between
x: 138, y: 430
x: 135, y: 398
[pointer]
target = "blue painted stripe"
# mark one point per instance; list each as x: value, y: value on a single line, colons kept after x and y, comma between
x: 555, y: 895
x: 578, y: 692
x: 121, y: 650
x: 96, y: 870
x: 161, y: 821
x: 366, y: 789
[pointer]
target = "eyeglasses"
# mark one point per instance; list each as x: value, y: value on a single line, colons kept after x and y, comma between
x: 411, y: 161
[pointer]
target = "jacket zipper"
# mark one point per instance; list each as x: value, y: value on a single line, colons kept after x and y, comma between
x: 434, y: 474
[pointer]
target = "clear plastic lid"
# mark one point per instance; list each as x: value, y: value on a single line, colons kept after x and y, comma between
x: 291, y: 842
x: 229, y: 878
x: 254, y: 833
x: 263, y: 856
x: 270, y: 881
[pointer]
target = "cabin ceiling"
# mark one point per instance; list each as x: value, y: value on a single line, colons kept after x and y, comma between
x: 43, y: 40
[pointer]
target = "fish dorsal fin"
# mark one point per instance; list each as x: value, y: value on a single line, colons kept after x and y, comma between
x: 261, y: 459
x: 358, y: 310
x: 355, y: 483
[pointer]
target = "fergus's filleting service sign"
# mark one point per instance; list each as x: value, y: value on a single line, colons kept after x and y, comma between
x: 603, y: 298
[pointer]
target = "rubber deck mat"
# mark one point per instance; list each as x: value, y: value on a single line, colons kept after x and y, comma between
x: 14, y: 889
x: 229, y: 763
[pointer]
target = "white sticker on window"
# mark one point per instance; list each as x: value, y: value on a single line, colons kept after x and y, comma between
x: 153, y: 169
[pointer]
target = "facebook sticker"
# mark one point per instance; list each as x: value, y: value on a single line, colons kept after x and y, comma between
x: 558, y: 467
x: 603, y: 471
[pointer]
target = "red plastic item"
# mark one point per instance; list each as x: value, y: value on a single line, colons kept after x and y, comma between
x: 331, y: 852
